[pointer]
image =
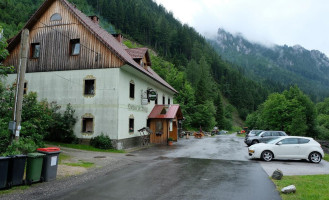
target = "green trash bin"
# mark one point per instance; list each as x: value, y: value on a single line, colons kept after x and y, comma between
x: 34, y: 167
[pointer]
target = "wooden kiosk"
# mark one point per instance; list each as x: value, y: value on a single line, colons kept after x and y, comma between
x: 163, y: 121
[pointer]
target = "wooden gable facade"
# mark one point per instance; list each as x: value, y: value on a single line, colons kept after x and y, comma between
x: 55, y: 37
x: 77, y: 58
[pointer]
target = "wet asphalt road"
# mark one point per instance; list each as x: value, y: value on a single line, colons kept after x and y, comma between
x: 210, y: 168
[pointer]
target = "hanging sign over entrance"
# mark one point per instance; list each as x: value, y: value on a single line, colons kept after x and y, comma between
x: 152, y: 95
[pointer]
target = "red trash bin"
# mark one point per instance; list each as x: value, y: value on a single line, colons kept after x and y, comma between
x: 50, y: 162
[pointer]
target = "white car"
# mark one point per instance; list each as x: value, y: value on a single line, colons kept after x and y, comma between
x: 288, y: 147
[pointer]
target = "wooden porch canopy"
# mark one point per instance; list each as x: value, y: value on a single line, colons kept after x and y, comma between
x: 164, y: 123
x: 166, y: 112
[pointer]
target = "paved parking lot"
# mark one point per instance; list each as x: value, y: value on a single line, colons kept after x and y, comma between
x: 296, y: 167
x: 208, y: 168
x: 230, y: 147
x: 288, y: 167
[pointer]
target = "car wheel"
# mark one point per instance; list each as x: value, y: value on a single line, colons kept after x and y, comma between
x: 315, y: 157
x: 254, y: 142
x: 267, y: 156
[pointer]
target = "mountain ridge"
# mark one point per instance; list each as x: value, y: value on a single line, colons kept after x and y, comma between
x: 286, y: 65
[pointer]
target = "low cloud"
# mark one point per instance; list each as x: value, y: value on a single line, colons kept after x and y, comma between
x: 266, y: 21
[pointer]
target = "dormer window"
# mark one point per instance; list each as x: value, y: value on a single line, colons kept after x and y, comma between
x: 56, y: 17
x: 35, y: 50
x: 163, y: 111
x: 75, y: 47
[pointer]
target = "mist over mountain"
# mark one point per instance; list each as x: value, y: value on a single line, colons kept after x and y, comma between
x: 279, y: 65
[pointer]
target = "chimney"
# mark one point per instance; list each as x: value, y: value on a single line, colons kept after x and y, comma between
x: 95, y: 19
x: 118, y: 36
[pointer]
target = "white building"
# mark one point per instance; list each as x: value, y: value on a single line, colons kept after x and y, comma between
x: 73, y: 60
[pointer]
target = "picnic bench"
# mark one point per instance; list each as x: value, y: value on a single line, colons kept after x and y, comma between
x: 198, y: 135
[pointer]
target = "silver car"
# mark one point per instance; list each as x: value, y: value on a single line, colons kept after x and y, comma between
x: 253, y: 133
x: 263, y: 137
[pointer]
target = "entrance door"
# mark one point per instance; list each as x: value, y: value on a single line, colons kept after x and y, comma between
x: 173, y: 133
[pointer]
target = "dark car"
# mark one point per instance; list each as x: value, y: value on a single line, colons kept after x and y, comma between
x: 263, y: 137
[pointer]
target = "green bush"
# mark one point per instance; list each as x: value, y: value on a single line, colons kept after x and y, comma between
x: 101, y: 142
x: 22, y: 146
x: 323, y: 133
x: 4, y: 136
x: 61, y: 128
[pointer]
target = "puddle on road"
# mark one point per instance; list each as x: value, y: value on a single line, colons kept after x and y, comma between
x: 99, y: 156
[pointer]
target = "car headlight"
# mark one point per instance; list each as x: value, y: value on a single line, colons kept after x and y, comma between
x: 251, y: 151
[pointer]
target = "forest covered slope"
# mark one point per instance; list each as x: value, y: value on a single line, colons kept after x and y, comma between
x: 185, y: 59
x: 283, y: 65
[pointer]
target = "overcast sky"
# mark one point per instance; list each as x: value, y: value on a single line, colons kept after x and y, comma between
x: 291, y: 22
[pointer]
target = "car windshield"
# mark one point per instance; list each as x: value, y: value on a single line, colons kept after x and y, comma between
x: 258, y: 133
x: 273, y: 141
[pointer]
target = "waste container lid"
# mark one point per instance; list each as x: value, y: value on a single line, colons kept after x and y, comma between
x: 4, y: 158
x: 49, y: 149
x: 18, y: 156
x: 35, y: 155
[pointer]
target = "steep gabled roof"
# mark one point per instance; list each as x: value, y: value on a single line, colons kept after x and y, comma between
x: 107, y: 39
x: 139, y: 53
x: 171, y: 112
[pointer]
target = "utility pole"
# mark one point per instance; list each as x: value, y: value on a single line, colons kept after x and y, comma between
x: 20, y: 81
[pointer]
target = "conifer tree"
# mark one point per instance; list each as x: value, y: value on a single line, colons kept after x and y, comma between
x: 219, y: 112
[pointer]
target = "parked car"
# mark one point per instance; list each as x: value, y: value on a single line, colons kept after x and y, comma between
x: 288, y: 147
x: 264, y: 136
x: 253, y: 133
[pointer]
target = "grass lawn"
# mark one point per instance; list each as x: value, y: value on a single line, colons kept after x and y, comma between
x: 314, y: 187
x: 15, y: 189
x: 241, y: 135
x: 81, y: 163
x: 63, y: 156
x: 326, y: 157
x: 84, y: 147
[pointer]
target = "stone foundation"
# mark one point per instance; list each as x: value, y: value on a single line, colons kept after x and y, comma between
x: 126, y: 143
x: 118, y: 144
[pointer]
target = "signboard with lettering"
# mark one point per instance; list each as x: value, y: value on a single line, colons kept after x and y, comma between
x: 137, y: 107
x: 152, y: 95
